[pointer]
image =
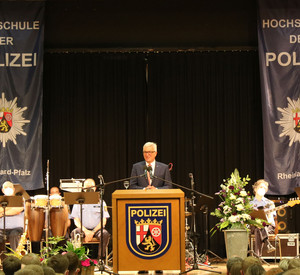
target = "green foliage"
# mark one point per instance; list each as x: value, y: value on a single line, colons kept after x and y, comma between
x: 82, y: 252
x: 52, y: 249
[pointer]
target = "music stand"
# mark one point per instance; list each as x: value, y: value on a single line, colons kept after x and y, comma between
x: 258, y: 214
x: 9, y: 201
x: 81, y: 198
x: 19, y: 191
x: 203, y: 204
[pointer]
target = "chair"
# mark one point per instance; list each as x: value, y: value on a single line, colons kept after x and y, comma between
x: 96, y: 241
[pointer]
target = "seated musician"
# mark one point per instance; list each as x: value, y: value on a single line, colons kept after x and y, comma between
x: 261, y: 202
x: 91, y: 224
x: 14, y: 219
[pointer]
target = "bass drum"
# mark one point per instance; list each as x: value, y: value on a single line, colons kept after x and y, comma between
x: 36, y: 222
x: 58, y: 220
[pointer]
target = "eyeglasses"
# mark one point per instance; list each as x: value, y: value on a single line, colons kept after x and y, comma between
x: 148, y: 152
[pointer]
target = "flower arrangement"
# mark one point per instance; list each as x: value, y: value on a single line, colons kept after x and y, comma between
x: 82, y: 252
x: 88, y: 262
x: 235, y: 208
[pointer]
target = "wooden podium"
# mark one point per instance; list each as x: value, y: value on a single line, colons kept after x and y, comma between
x: 148, y: 230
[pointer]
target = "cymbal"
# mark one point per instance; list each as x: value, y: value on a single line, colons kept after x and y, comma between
x: 187, y: 214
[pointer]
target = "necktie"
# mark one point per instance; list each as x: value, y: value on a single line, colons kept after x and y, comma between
x: 148, y: 175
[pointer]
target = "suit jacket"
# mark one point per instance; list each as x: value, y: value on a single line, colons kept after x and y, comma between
x: 161, y: 171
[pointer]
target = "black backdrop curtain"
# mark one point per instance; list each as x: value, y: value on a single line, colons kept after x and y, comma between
x: 202, y: 108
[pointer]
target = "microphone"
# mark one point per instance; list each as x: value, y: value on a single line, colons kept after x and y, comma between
x: 192, y: 180
x: 101, y: 179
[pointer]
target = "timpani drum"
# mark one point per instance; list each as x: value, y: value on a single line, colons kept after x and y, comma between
x: 36, y: 222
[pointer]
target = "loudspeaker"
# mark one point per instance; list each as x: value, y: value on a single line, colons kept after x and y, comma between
x: 282, y: 221
x: 285, y: 219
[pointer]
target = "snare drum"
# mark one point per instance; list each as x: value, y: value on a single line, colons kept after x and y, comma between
x: 40, y: 201
x: 55, y: 201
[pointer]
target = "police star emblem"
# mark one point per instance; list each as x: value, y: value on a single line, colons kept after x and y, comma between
x: 290, y: 121
x: 148, y: 229
x: 11, y: 120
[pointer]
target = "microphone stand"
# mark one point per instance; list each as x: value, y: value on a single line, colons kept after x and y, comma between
x: 3, y: 205
x: 116, y: 181
x: 180, y: 186
x: 47, y: 210
x: 101, y: 265
x: 207, y: 251
x: 193, y: 191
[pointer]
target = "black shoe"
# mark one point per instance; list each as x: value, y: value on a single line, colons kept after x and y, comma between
x: 143, y: 272
x: 158, y: 272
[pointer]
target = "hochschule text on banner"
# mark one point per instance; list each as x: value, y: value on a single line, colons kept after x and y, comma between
x: 279, y: 54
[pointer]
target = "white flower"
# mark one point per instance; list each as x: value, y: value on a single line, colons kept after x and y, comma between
x: 243, y: 193
x: 246, y: 217
x: 232, y: 197
x: 233, y: 219
x: 223, y: 186
x: 240, y: 207
x: 239, y: 200
x: 226, y: 207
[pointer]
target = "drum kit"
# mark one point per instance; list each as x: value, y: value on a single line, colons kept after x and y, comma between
x: 36, y: 209
x: 189, y: 246
x: 192, y: 258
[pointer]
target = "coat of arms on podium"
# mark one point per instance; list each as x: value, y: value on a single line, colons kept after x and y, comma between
x: 148, y: 229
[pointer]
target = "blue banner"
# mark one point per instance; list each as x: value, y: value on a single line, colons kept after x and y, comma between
x: 21, y: 92
x: 279, y: 38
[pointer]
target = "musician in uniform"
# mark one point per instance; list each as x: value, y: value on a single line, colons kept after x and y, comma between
x: 91, y: 223
x: 261, y: 202
x: 14, y: 219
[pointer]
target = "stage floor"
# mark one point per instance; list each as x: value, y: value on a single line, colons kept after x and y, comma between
x: 219, y: 267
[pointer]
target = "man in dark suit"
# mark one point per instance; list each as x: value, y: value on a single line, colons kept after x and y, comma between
x: 149, y: 167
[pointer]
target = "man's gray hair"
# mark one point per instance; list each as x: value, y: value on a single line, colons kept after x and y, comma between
x: 154, y: 145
